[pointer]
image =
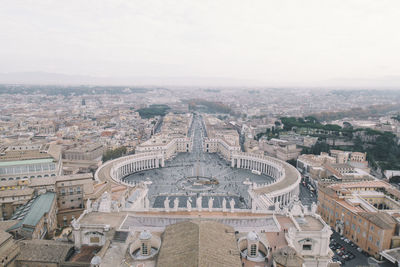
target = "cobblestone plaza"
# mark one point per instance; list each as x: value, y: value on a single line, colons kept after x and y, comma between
x: 197, y: 173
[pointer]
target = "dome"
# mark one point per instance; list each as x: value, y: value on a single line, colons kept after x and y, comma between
x: 145, y: 235
x: 252, y: 236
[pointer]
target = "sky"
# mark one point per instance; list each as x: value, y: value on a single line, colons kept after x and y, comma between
x: 268, y: 43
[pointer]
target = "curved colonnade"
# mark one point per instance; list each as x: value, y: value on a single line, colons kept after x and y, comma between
x: 116, y: 169
x: 282, y: 190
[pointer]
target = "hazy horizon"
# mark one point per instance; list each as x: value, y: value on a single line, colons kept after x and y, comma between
x: 310, y: 43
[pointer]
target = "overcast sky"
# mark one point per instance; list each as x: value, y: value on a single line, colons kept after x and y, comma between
x: 281, y: 42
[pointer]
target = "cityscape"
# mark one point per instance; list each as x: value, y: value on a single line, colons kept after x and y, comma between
x: 154, y: 134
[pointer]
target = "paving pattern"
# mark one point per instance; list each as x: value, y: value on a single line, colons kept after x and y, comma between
x: 171, y: 180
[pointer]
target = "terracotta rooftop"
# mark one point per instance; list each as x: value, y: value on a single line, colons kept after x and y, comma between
x: 381, y: 219
x: 364, y: 184
x: 199, y: 243
x: 24, y: 155
x: 49, y: 251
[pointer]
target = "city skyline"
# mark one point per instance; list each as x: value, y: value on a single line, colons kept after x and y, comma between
x: 207, y: 133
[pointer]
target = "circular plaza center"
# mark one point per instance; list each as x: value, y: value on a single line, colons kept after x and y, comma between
x: 197, y: 173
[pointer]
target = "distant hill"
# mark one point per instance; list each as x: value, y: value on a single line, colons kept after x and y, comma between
x: 46, y: 78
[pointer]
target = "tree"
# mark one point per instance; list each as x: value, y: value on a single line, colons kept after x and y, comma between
x: 292, y: 162
x: 114, y: 153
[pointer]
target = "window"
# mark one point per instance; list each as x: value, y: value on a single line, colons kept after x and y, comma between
x: 71, y: 191
x: 253, y: 250
x: 306, y: 247
x: 370, y: 238
x: 144, y: 249
x: 63, y: 192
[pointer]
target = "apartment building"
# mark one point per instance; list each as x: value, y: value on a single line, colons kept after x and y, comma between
x: 364, y: 212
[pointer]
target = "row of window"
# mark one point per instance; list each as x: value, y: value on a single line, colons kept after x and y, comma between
x: 72, y: 200
x: 358, y: 230
x: 26, y: 177
x: 348, y: 213
x: 71, y: 191
x: 15, y: 198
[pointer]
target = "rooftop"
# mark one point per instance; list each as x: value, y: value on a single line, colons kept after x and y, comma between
x: 4, y: 225
x: 291, y: 177
x: 25, y: 161
x: 16, y: 192
x: 85, y: 254
x: 309, y: 223
x: 74, y: 177
x: 31, y: 213
x: 288, y: 257
x: 43, y: 251
x: 16, y: 155
x: 199, y: 243
x: 380, y: 219
x: 4, y: 236
x: 363, y: 184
